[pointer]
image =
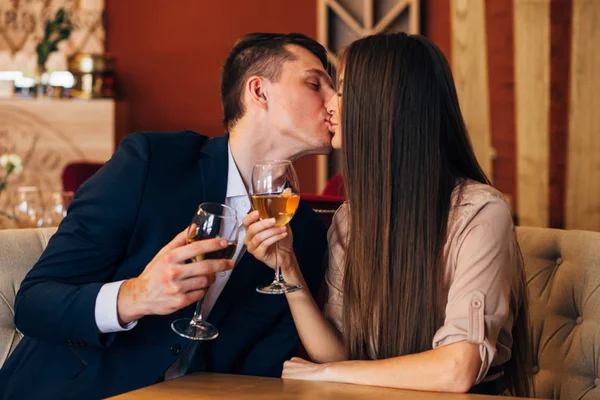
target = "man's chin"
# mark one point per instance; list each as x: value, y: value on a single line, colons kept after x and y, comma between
x: 324, y: 149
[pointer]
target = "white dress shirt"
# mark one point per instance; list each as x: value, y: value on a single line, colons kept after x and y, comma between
x: 237, y: 198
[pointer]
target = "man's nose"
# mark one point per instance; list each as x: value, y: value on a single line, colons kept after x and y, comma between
x: 331, y: 105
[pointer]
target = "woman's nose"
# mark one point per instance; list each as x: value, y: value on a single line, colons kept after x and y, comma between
x: 332, y: 105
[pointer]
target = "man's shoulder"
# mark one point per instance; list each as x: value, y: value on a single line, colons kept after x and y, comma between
x: 169, y: 139
x: 160, y: 147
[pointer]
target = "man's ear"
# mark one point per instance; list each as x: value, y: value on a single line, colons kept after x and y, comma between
x: 257, y: 89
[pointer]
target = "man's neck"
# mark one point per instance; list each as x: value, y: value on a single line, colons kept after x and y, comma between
x: 249, y: 146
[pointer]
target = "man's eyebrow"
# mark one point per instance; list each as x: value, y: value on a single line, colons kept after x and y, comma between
x: 322, y: 74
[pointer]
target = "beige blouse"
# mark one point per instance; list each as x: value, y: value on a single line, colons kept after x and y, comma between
x: 482, y: 273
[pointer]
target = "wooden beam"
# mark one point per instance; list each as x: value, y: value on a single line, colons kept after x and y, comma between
x: 532, y: 73
x: 469, y: 64
x: 369, y: 11
x: 391, y: 16
x: 583, y: 157
x: 346, y: 17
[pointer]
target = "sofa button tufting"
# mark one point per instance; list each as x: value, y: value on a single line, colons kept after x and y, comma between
x: 597, y: 382
x: 559, y: 260
x: 579, y: 320
x: 535, y: 369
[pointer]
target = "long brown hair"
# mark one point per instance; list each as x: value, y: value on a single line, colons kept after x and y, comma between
x: 405, y: 147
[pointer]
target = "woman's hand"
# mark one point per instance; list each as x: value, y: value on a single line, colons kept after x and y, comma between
x: 260, y: 239
x: 298, y: 368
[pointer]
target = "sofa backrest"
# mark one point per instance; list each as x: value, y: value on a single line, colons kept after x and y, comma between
x: 19, y: 251
x: 563, y: 277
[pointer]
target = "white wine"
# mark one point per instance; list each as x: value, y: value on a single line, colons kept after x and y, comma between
x: 224, y: 254
x: 280, y: 207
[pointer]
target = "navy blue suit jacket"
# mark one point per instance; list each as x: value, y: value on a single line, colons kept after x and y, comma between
x: 120, y: 218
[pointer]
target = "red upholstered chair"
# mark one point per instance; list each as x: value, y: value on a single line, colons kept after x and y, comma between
x: 77, y: 172
x: 335, y: 186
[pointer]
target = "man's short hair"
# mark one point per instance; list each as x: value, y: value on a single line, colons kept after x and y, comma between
x: 261, y: 54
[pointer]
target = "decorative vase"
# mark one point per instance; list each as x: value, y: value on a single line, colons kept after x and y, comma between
x: 41, y: 81
x: 7, y: 220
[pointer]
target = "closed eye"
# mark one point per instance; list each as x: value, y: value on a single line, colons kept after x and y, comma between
x: 315, y: 85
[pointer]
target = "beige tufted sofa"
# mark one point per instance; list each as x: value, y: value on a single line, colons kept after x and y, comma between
x: 563, y: 272
x: 19, y: 250
x: 563, y: 275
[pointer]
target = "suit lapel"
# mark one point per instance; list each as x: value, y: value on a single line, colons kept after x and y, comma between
x: 214, y: 170
x: 214, y: 164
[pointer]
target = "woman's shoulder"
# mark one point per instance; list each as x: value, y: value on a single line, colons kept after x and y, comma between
x: 475, y: 202
x: 470, y: 192
x: 341, y: 214
x: 340, y: 221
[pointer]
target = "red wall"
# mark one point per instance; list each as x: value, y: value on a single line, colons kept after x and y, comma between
x: 169, y: 55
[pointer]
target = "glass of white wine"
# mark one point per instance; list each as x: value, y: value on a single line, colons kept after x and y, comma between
x: 275, y: 193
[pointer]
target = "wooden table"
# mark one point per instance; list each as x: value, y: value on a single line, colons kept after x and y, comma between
x: 222, y: 386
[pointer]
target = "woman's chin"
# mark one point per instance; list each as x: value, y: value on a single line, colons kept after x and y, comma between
x: 336, y: 141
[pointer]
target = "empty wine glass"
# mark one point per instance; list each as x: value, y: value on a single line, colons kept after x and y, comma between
x: 28, y: 208
x: 56, y: 208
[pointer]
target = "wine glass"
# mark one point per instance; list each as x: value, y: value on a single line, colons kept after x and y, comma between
x: 212, y: 220
x: 275, y: 193
x: 56, y: 208
x: 28, y: 208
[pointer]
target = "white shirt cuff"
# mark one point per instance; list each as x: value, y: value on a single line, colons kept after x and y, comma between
x: 107, y: 319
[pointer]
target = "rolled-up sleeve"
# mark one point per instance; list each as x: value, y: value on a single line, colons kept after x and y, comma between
x: 480, y: 292
x: 338, y: 239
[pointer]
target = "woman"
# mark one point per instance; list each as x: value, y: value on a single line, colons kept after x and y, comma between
x: 426, y: 283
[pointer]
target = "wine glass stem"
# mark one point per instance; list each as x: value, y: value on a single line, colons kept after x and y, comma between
x: 198, y: 313
x: 277, y: 273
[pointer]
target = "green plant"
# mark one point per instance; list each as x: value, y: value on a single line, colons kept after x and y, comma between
x: 55, y: 31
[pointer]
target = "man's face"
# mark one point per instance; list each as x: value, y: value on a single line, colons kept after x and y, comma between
x: 297, y: 103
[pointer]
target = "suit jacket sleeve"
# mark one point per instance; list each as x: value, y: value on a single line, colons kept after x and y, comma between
x: 56, y: 301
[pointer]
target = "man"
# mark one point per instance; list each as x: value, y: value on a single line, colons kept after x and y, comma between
x: 97, y: 307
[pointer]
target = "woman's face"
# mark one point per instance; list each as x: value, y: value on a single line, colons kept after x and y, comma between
x: 335, y: 111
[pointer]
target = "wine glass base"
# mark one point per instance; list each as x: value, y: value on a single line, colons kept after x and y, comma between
x: 278, y: 288
x: 201, y: 330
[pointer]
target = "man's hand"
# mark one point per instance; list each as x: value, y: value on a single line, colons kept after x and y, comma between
x: 168, y: 284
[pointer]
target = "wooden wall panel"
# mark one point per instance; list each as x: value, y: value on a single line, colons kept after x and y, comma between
x: 469, y: 64
x: 583, y: 159
x: 22, y: 26
x: 499, y: 24
x: 532, y: 67
x: 560, y: 63
x: 436, y: 15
